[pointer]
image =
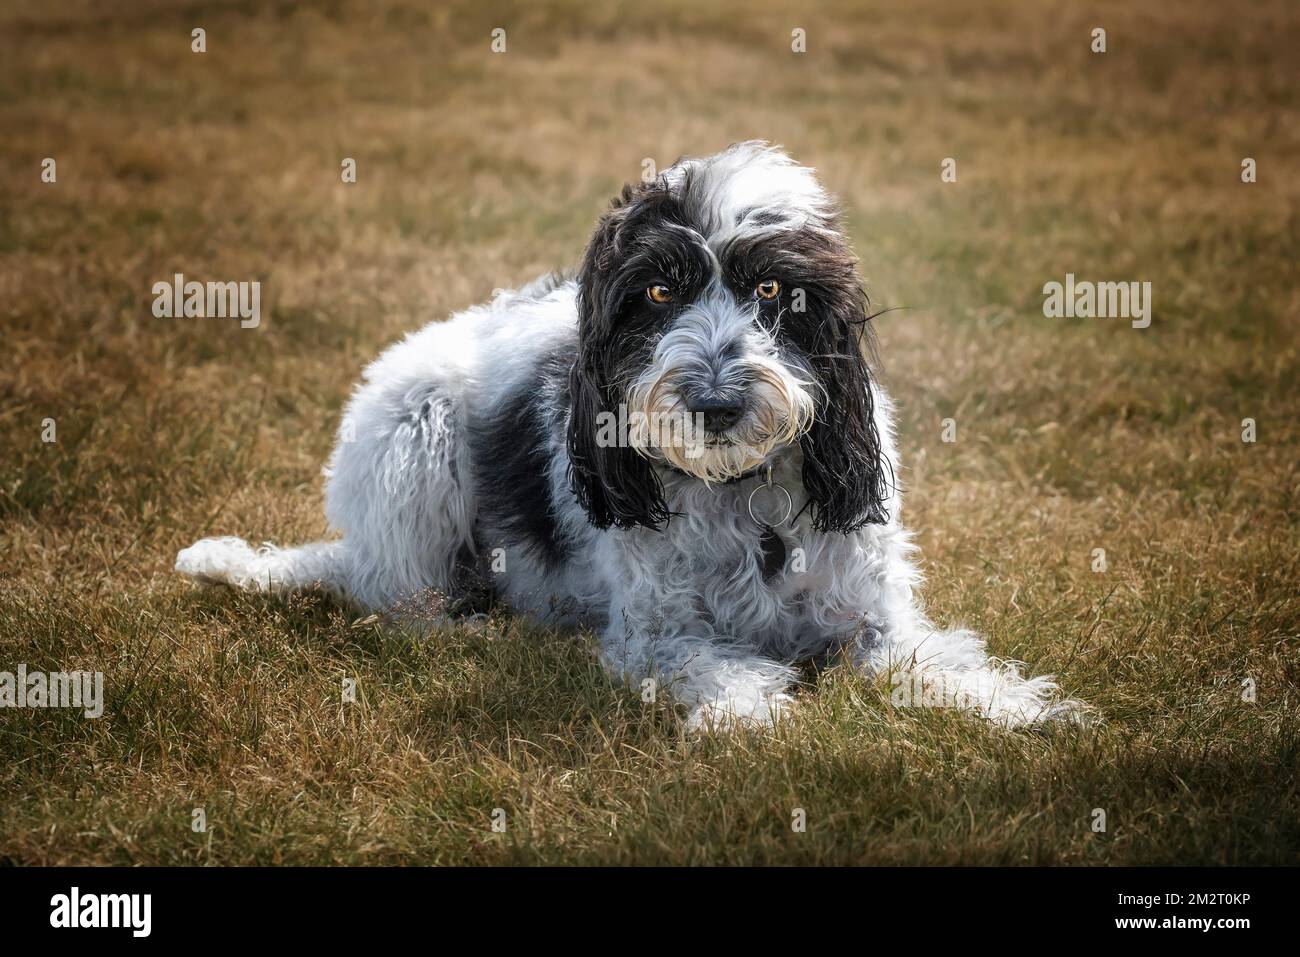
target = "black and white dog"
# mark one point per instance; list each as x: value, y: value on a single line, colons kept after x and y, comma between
x: 536, y: 436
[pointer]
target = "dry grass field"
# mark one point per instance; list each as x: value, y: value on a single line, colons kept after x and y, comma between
x: 478, y: 170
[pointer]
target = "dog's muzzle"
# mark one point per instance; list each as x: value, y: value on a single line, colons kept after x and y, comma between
x: 715, y: 410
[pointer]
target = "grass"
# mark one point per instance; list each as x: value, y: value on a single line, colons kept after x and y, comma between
x: 478, y: 171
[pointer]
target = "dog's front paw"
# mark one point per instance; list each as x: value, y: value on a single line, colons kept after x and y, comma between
x: 216, y: 560
x: 1066, y: 711
x: 996, y: 691
x: 730, y: 712
x: 1013, y: 701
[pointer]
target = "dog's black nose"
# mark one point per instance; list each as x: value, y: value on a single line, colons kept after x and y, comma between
x: 718, y: 410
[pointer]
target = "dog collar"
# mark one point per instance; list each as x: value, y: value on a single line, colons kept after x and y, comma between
x: 763, y: 471
x: 770, y: 486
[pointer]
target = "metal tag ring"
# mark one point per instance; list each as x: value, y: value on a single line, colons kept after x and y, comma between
x: 789, y: 504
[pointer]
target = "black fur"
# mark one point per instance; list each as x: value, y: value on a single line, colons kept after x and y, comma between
x: 638, y: 243
x: 512, y: 455
x: 844, y: 474
x: 634, y: 246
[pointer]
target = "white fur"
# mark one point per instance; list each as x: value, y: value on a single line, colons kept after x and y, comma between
x: 686, y: 605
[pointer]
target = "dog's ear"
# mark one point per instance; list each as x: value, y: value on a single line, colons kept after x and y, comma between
x: 845, y: 473
x: 615, y: 484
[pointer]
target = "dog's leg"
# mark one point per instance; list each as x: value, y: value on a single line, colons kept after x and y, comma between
x: 396, y: 491
x: 232, y: 561
x: 720, y: 682
x: 929, y: 666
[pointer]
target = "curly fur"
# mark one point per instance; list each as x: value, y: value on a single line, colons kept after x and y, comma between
x: 477, y: 438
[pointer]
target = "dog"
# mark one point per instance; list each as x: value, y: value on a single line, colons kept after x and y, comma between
x: 683, y: 446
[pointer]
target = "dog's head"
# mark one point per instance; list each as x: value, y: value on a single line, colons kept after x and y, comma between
x: 721, y: 320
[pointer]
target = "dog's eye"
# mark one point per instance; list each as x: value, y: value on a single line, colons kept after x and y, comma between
x: 659, y: 293
x: 768, y: 289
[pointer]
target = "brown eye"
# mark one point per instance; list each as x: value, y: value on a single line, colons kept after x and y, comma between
x: 659, y: 293
x: 768, y: 289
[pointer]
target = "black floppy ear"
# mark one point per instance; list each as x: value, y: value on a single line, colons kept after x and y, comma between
x: 845, y: 474
x: 613, y: 482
